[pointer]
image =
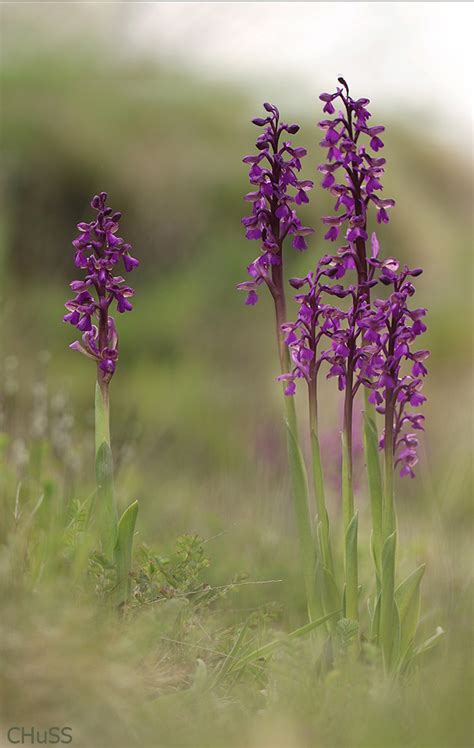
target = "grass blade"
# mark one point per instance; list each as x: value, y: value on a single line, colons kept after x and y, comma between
x: 267, y: 649
x: 232, y: 656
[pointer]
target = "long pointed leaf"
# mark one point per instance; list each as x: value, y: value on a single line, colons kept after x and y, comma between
x: 396, y: 636
x: 351, y: 571
x: 105, y: 501
x: 387, y: 612
x: 407, y: 596
x: 375, y: 624
x: 123, y: 550
x: 331, y: 595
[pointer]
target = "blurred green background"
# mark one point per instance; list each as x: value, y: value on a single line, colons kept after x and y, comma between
x: 195, y: 408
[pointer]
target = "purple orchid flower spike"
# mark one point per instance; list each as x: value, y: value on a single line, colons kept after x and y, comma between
x: 352, y: 174
x: 98, y: 251
x: 277, y: 193
x: 361, y: 342
x: 390, y: 367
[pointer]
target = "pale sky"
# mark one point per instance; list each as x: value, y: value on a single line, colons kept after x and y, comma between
x: 405, y: 54
x: 409, y: 57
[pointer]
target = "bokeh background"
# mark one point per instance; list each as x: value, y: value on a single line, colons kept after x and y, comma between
x: 152, y: 102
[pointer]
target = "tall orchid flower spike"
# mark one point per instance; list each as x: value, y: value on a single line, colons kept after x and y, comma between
x: 99, y: 252
x: 391, y: 369
x: 273, y: 222
x: 394, y: 370
x: 317, y: 321
x: 352, y: 174
x: 374, y: 346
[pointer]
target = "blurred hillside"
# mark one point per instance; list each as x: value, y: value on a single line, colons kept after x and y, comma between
x: 195, y: 387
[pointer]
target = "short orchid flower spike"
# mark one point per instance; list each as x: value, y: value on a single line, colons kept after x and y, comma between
x: 98, y: 252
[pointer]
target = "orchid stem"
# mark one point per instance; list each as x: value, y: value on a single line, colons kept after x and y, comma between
x: 318, y: 481
x: 387, y: 609
x: 297, y: 468
x: 350, y: 521
x: 107, y: 508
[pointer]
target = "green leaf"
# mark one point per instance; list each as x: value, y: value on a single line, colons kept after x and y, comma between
x: 387, y: 608
x: 123, y: 550
x: 396, y: 636
x: 331, y: 596
x: 407, y: 591
x: 378, y: 573
x: 351, y: 571
x: 104, y: 466
x: 105, y: 500
x: 308, y: 548
x: 101, y: 416
x: 375, y: 623
x: 407, y: 596
x: 267, y: 649
x: 374, y: 474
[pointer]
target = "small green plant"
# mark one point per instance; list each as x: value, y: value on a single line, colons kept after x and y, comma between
x: 98, y: 250
x: 179, y: 574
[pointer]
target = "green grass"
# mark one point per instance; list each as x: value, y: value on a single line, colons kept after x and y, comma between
x: 158, y: 673
x: 198, y: 437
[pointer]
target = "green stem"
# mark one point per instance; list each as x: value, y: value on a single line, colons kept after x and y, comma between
x: 387, y: 610
x: 308, y: 548
x: 102, y: 414
x: 388, y: 515
x: 318, y: 481
x: 351, y: 573
x: 296, y: 464
x: 106, y: 504
x: 299, y: 485
x: 375, y: 482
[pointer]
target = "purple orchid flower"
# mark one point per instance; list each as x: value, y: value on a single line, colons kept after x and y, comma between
x: 98, y: 250
x: 389, y: 366
x: 278, y: 191
x: 349, y: 141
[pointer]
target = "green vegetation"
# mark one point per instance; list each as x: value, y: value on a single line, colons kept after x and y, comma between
x: 215, y: 583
